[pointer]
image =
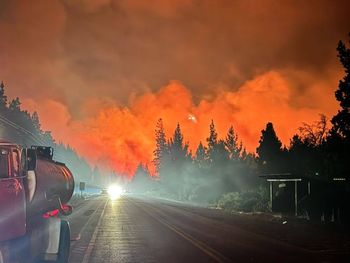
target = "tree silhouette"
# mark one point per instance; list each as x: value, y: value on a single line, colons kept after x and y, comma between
x: 212, y: 141
x: 177, y: 149
x: 178, y: 163
x: 15, y: 105
x: 19, y: 126
x: 338, y: 142
x: 316, y: 133
x: 200, y: 156
x: 233, y: 147
x: 341, y: 121
x: 141, y: 181
x: 3, y: 97
x: 36, y: 121
x: 299, y: 155
x: 161, y: 145
x: 221, y: 155
x: 244, y: 154
x: 269, y: 149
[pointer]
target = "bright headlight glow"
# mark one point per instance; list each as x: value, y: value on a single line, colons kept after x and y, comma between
x: 114, y: 191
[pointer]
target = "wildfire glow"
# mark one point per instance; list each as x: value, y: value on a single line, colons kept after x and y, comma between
x: 99, y: 72
x: 122, y: 137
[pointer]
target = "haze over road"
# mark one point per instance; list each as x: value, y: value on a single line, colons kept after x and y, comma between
x: 130, y: 229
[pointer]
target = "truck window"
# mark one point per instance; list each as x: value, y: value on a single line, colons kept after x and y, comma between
x: 15, y: 161
x: 4, y: 161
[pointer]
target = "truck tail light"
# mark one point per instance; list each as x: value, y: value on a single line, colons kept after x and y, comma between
x: 52, y: 213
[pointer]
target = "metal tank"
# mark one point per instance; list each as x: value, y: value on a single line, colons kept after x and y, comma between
x: 51, y: 184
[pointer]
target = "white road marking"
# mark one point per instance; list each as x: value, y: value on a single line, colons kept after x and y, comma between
x: 82, y: 230
x: 94, y: 236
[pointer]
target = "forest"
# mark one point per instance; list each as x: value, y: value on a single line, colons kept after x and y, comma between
x: 24, y: 128
x: 221, y: 172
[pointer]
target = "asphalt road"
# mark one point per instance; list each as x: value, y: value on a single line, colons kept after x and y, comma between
x: 132, y: 229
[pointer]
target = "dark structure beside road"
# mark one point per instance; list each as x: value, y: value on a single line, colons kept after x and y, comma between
x: 312, y: 196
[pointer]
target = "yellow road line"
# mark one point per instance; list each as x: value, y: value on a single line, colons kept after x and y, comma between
x: 94, y: 236
x: 214, y: 254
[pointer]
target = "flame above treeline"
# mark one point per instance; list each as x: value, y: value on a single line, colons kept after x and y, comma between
x: 99, y: 71
x: 120, y: 138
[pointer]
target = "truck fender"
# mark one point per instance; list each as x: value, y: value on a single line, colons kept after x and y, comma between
x: 59, y: 242
x: 53, y: 235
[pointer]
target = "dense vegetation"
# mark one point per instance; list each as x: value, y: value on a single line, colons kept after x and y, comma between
x: 222, y: 172
x: 20, y: 126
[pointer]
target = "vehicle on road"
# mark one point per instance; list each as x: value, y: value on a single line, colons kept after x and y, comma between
x: 104, y: 191
x: 34, y: 191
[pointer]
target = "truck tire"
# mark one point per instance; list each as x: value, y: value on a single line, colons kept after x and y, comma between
x: 64, y: 246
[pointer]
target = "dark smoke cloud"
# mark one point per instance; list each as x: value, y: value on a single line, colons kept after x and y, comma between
x: 126, y: 43
x: 127, y: 46
x: 83, y: 56
x: 203, y: 43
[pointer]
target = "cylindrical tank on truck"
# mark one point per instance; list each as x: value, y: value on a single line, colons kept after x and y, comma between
x: 34, y: 190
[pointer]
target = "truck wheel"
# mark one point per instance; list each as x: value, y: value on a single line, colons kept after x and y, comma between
x: 64, y: 247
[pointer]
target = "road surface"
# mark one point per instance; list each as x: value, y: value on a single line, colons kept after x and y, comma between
x: 132, y: 229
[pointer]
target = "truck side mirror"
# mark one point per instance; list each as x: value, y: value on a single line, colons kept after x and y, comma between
x: 30, y: 159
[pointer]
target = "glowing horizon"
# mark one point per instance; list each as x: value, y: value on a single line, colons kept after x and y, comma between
x: 101, y: 73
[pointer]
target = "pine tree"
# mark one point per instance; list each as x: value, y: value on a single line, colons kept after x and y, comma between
x: 177, y: 149
x: 36, y: 122
x: 233, y: 147
x: 161, y: 145
x: 173, y: 161
x: 200, y: 157
x: 176, y: 142
x: 269, y: 149
x: 141, y: 181
x: 15, y: 105
x: 341, y: 121
x: 212, y: 141
x: 221, y: 155
x: 3, y: 97
x: 244, y: 154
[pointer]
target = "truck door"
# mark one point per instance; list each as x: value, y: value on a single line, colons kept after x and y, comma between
x: 12, y: 195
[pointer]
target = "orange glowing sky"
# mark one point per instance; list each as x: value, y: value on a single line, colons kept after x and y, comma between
x: 101, y: 72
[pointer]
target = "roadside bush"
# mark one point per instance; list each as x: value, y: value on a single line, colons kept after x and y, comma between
x: 263, y: 202
x: 206, y: 193
x: 230, y: 201
x: 250, y: 201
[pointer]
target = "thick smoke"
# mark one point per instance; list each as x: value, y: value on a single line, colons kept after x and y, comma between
x: 121, y: 137
x: 98, y: 71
